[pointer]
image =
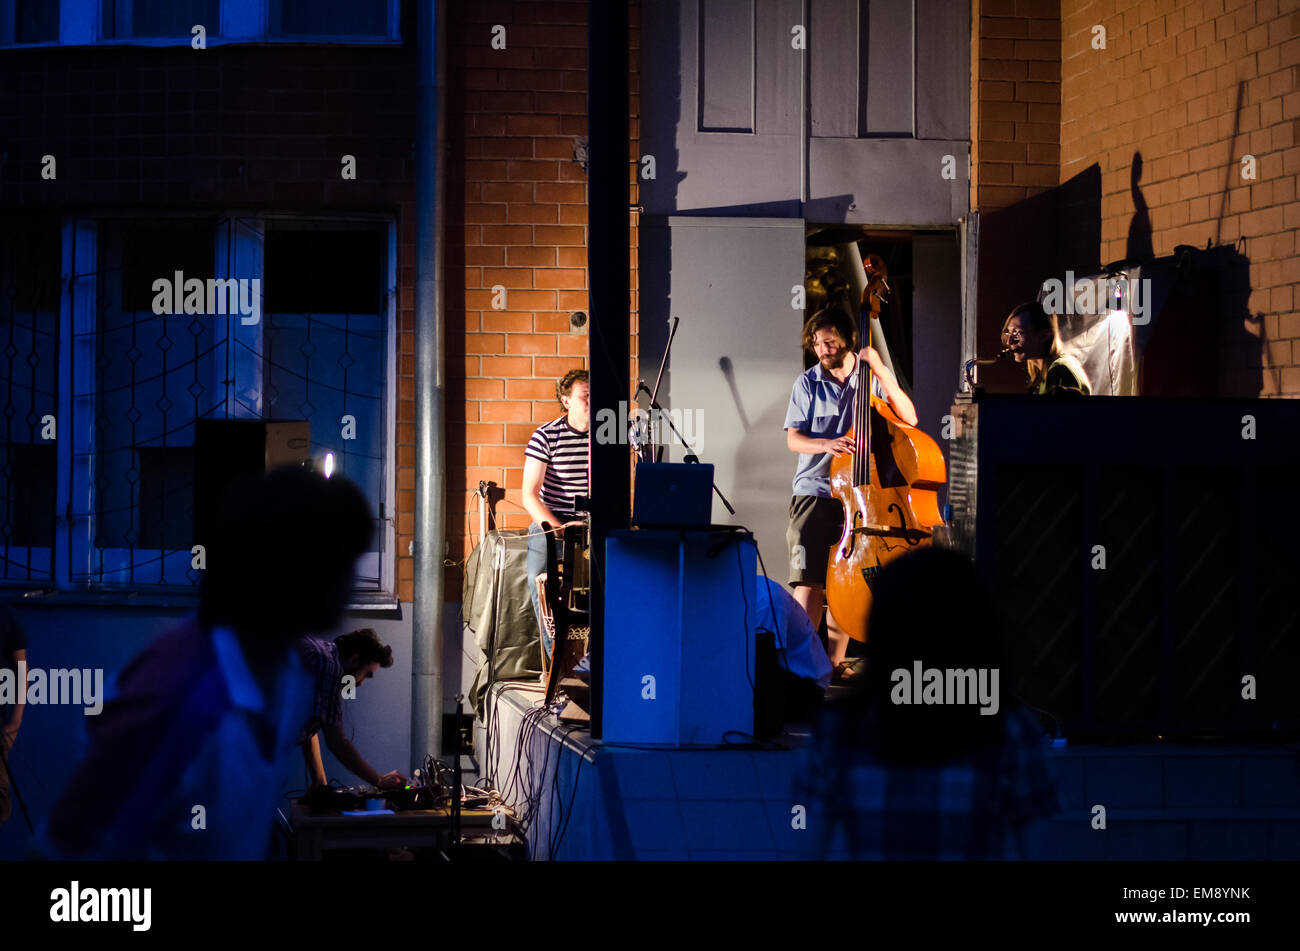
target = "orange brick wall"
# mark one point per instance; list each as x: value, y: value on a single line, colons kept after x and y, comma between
x: 516, y: 217
x: 1016, y: 105
x: 1166, y: 86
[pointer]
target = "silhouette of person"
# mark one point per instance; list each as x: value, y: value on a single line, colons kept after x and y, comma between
x: 13, y: 654
x: 189, y: 759
x: 1139, y: 248
x: 900, y: 772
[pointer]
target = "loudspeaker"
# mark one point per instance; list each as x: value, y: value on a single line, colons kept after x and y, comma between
x: 680, y: 616
x: 226, y: 450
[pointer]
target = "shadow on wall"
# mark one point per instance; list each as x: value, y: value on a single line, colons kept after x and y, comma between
x: 764, y: 467
x: 1023, y: 245
x: 1201, y: 339
x: 1139, y: 229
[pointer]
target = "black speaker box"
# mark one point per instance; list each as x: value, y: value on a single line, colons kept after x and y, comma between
x: 225, y: 450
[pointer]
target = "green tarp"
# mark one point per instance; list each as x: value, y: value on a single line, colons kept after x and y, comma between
x: 499, y: 613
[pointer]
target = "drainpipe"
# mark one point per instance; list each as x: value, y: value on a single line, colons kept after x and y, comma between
x: 430, y: 388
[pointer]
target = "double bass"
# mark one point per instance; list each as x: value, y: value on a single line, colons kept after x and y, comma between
x: 888, y: 486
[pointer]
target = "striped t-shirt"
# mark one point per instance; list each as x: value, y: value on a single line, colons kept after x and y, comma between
x: 566, y: 453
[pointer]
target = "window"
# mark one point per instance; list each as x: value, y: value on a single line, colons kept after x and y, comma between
x: 324, y: 347
x: 128, y: 19
x: 28, y: 21
x: 148, y: 360
x: 29, y: 375
x: 171, y: 22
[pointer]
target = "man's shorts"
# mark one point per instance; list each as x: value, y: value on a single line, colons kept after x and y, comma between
x: 815, y: 525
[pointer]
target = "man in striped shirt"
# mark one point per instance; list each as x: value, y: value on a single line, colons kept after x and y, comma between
x: 556, y: 465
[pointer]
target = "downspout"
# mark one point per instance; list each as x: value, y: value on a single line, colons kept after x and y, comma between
x: 430, y: 387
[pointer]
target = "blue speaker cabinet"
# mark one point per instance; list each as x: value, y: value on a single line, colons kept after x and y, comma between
x: 679, y: 637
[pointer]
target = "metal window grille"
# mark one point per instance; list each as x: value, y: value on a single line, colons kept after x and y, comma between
x: 137, y: 382
x: 29, y: 378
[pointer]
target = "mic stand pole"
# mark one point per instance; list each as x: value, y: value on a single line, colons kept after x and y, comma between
x: 690, y: 455
x: 13, y: 784
x: 456, y: 778
x: 656, y: 452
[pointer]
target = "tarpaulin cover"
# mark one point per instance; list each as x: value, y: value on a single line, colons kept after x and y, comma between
x: 498, y: 611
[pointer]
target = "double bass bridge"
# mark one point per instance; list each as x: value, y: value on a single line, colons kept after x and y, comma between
x: 912, y: 536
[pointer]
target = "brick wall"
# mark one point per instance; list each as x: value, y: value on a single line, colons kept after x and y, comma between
x: 1016, y: 106
x: 516, y: 217
x: 1167, y: 86
x: 235, y: 127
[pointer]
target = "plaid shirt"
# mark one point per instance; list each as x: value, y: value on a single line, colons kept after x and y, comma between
x: 320, y: 658
x: 969, y: 808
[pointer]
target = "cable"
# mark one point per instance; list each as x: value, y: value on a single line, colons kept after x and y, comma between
x: 776, y: 618
x: 568, y: 811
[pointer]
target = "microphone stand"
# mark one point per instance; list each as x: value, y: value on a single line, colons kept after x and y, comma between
x: 13, y: 784
x: 656, y: 453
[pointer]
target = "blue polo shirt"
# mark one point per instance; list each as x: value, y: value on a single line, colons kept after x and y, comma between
x: 190, y: 725
x: 822, y: 407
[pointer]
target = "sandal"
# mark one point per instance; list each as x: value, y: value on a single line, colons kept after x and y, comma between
x: 845, y: 672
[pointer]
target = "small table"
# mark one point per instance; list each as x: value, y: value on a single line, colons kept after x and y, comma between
x: 417, y: 828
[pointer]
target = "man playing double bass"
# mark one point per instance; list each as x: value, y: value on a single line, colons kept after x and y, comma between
x: 819, y: 416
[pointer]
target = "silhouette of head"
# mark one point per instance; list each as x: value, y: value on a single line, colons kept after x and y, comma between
x: 928, y: 606
x: 283, y: 558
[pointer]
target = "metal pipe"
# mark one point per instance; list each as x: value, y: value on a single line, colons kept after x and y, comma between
x: 430, y: 387
x: 970, y: 246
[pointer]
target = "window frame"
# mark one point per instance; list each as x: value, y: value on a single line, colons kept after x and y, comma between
x: 77, y: 382
x: 240, y: 21
x: 9, y: 10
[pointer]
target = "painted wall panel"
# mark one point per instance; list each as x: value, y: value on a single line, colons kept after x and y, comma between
x: 943, y: 69
x: 833, y: 68
x: 886, y: 67
x: 887, y: 181
x: 735, y: 357
x: 701, y: 171
x: 726, y: 66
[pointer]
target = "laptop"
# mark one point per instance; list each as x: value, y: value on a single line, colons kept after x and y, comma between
x: 673, y: 495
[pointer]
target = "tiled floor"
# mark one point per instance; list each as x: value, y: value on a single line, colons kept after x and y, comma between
x: 1161, y: 802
